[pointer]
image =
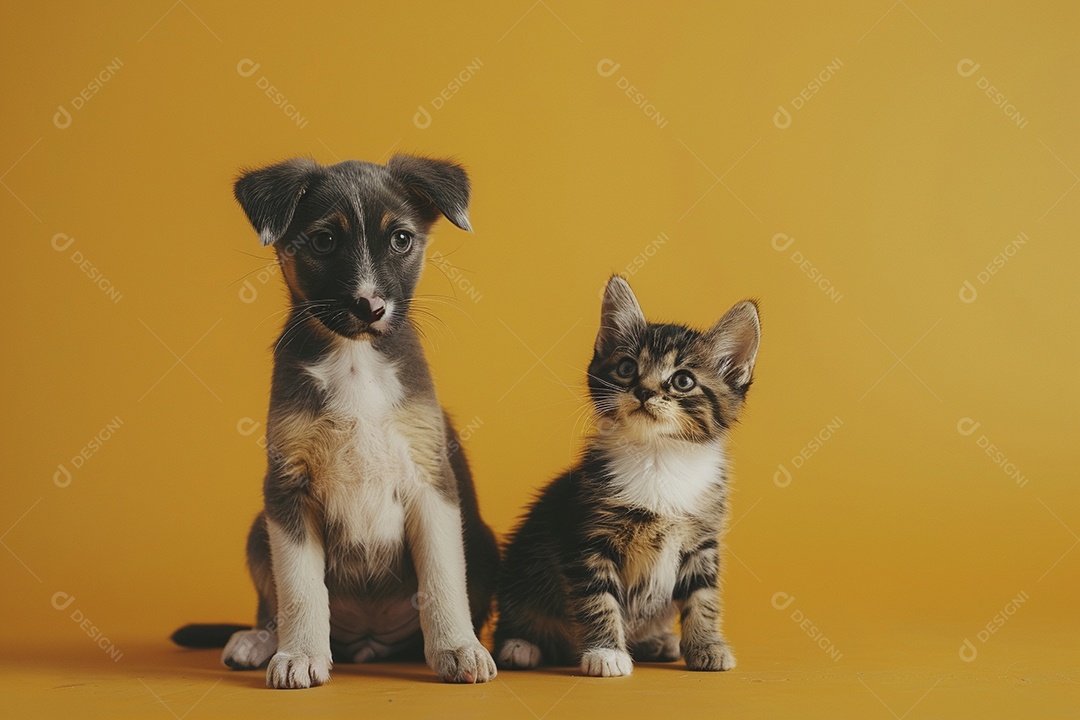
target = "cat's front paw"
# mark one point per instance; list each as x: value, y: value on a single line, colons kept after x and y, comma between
x: 518, y: 654
x: 249, y: 649
x: 470, y: 663
x: 661, y: 648
x: 606, y: 662
x: 710, y: 657
x: 293, y: 671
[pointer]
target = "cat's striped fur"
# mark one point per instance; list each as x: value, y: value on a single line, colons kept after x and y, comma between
x: 628, y: 539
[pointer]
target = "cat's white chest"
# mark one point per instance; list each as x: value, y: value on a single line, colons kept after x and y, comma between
x: 368, y: 464
x: 667, y: 478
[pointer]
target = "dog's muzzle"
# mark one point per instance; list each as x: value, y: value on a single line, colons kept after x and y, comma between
x: 368, y: 309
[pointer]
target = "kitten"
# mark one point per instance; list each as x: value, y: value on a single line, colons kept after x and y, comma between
x: 611, y: 551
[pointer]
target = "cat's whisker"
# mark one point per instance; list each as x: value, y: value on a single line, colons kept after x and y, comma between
x: 586, y: 416
x: 551, y: 405
x: 607, y: 383
x: 603, y: 381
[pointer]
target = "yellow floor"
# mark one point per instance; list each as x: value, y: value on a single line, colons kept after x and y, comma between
x: 904, y: 673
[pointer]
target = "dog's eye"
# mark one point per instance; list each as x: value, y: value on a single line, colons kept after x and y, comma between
x: 322, y: 242
x: 683, y: 381
x: 626, y: 368
x: 401, y: 241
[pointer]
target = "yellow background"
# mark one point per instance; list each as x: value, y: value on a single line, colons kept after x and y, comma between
x: 899, y: 180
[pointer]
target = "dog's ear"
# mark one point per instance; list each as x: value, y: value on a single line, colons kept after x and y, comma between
x: 439, y: 186
x: 269, y: 195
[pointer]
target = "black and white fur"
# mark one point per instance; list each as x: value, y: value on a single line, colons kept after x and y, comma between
x: 370, y: 544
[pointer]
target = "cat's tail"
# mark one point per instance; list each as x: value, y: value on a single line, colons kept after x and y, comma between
x: 206, y: 635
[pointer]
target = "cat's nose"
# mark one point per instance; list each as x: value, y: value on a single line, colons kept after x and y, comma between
x: 643, y: 394
x: 369, y: 308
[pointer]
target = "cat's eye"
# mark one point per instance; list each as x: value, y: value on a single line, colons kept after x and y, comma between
x: 322, y: 243
x: 683, y: 381
x: 401, y: 241
x: 626, y: 368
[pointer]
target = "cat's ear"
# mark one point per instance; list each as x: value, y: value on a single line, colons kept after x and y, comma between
x: 734, y: 341
x: 269, y: 196
x: 621, y: 319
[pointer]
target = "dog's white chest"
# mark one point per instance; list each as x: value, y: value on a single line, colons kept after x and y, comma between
x: 368, y: 464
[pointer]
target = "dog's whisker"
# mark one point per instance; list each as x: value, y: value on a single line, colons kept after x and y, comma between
x: 447, y: 277
x: 448, y: 254
x: 294, y: 324
x: 249, y: 272
x: 418, y: 328
x: 273, y: 315
x: 436, y: 296
x: 420, y: 315
x: 285, y: 311
x: 451, y: 302
x: 252, y: 255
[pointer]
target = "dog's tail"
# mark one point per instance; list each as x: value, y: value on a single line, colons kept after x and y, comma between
x: 206, y: 636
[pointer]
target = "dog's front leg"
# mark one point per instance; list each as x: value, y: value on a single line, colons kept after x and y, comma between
x: 435, y: 537
x: 303, y: 608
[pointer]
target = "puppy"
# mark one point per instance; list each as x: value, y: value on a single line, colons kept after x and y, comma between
x: 370, y: 544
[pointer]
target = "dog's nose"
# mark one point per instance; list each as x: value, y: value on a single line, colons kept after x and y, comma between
x: 369, y: 308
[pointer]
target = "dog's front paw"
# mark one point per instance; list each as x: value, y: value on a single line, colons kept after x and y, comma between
x: 711, y: 657
x: 470, y: 663
x: 606, y: 662
x: 292, y: 671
